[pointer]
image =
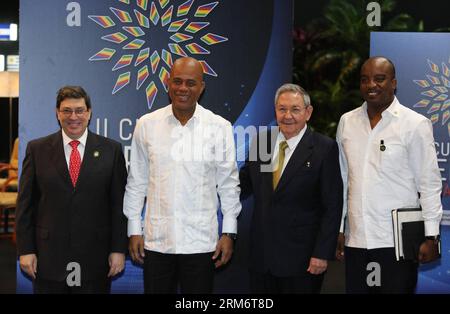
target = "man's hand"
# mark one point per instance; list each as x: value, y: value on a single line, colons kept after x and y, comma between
x: 428, y: 251
x: 224, y: 246
x: 340, y: 247
x: 317, y: 266
x: 28, y: 263
x: 136, y: 248
x: 116, y: 263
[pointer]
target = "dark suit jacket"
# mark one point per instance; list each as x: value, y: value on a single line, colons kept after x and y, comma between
x: 63, y: 224
x: 301, y: 218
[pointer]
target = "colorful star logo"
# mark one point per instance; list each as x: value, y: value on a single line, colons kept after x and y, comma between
x: 435, y: 92
x: 138, y: 55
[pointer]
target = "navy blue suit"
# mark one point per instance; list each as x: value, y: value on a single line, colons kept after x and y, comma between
x: 301, y: 218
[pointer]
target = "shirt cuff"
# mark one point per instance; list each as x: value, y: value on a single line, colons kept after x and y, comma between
x: 134, y: 227
x: 431, y: 227
x: 341, y: 228
x: 229, y: 225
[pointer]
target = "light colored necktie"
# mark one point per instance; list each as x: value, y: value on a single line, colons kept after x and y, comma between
x: 75, y: 162
x: 279, y: 169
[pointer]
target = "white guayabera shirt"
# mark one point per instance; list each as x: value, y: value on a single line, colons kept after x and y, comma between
x: 182, y: 170
x: 378, y: 179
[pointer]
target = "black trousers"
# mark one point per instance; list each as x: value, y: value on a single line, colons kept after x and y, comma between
x: 394, y: 277
x: 268, y: 283
x: 193, y: 272
x: 43, y: 286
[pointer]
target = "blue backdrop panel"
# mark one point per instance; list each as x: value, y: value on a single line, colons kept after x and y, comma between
x: 121, y: 52
x: 422, y: 63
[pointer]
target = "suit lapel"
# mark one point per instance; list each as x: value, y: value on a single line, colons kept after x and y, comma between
x: 58, y: 157
x: 91, y: 152
x: 300, y: 155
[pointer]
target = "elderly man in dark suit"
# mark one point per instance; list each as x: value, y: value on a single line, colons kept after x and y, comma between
x: 297, y: 200
x: 69, y: 210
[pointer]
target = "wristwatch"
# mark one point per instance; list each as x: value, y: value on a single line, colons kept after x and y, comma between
x: 434, y: 238
x: 233, y: 236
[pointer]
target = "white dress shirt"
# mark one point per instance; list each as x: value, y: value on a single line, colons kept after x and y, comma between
x: 182, y: 170
x: 292, y: 144
x: 377, y: 181
x: 68, y: 148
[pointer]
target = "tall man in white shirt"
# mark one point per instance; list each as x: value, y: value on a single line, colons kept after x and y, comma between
x: 388, y: 161
x: 182, y: 159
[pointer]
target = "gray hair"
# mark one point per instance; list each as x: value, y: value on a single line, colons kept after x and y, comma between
x: 293, y: 88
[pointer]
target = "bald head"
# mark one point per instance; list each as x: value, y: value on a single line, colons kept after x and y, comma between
x: 381, y: 61
x: 185, y: 85
x: 378, y: 83
x: 188, y: 63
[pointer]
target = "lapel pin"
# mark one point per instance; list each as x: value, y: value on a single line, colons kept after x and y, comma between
x: 308, y: 164
x: 96, y: 153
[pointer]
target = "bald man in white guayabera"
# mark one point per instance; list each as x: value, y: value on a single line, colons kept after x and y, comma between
x: 388, y: 161
x: 183, y: 160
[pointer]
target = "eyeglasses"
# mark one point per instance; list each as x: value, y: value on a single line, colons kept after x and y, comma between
x: 68, y: 112
x: 294, y: 111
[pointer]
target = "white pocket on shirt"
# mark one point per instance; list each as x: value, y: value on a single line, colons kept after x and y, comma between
x: 394, y: 157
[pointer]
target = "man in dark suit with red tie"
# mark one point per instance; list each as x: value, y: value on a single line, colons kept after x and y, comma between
x: 71, y: 231
x: 297, y: 193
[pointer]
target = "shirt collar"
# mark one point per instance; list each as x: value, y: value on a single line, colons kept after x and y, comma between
x: 392, y: 110
x: 169, y: 112
x: 293, y: 141
x: 82, y: 139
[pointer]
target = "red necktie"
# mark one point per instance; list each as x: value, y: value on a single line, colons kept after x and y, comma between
x: 75, y: 162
